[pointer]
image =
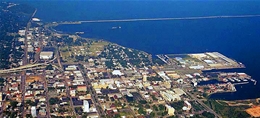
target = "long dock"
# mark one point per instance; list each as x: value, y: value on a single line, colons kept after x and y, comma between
x: 161, y: 19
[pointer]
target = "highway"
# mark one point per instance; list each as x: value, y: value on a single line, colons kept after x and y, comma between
x: 25, y: 61
x: 22, y: 68
x: 161, y: 19
x: 58, y: 55
x: 30, y: 66
x: 204, y: 105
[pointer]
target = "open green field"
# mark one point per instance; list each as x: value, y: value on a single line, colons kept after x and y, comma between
x: 97, y: 46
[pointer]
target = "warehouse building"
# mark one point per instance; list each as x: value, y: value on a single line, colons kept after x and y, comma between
x: 45, y: 55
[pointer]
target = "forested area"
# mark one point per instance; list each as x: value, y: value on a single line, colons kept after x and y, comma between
x: 13, y: 18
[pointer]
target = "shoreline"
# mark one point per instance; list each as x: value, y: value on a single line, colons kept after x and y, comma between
x: 52, y: 27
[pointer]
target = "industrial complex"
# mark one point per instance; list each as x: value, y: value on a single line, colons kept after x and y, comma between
x: 200, y: 61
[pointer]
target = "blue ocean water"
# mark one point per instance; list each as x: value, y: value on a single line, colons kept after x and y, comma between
x: 238, y: 38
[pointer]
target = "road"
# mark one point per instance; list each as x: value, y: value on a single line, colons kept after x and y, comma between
x: 4, y: 90
x: 25, y: 61
x: 93, y: 93
x: 68, y: 93
x: 71, y: 102
x: 46, y: 94
x: 204, y: 105
x: 23, y: 84
x: 58, y: 55
x: 22, y: 68
x: 40, y: 46
x: 28, y: 66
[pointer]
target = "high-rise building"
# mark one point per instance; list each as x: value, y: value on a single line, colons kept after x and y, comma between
x: 144, y: 78
x: 188, y: 105
x: 85, y: 106
x: 1, y: 97
x: 33, y: 111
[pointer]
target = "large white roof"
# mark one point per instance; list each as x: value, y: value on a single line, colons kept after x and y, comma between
x: 117, y: 72
x: 46, y: 53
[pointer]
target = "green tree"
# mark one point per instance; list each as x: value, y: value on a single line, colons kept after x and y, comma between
x: 208, y: 114
x: 205, y: 95
x: 28, y: 116
x: 147, y: 106
x: 14, y: 103
x: 152, y: 115
x: 142, y: 102
x: 141, y: 110
x: 31, y: 103
x: 155, y: 108
x: 53, y: 101
x: 49, y: 67
x: 13, y: 114
x: 117, y: 116
x: 161, y: 107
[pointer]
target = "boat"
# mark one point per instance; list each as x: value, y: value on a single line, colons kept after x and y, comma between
x: 236, y: 79
x: 79, y: 32
x: 231, y: 80
x: 225, y: 80
x: 119, y: 27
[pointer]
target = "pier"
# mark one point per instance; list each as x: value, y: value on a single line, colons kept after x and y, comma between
x: 160, y: 19
x: 162, y: 57
x: 240, y: 83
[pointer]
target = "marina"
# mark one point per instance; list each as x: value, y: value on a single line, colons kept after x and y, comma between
x: 226, y: 82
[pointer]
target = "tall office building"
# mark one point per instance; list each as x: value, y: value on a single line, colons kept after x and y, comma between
x: 85, y: 106
x: 144, y: 77
x: 33, y: 111
x: 1, y: 97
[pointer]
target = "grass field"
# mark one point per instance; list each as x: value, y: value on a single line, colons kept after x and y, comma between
x: 97, y: 46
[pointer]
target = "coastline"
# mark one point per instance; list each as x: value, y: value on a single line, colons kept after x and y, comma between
x: 96, y: 75
x: 51, y: 27
x: 229, y: 69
